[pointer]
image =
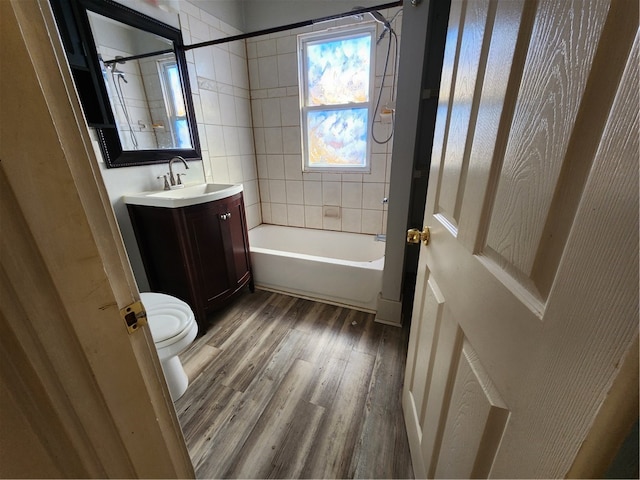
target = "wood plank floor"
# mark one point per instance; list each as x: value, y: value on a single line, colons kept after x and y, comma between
x: 282, y: 387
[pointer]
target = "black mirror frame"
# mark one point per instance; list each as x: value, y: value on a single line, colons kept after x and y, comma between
x: 94, y: 98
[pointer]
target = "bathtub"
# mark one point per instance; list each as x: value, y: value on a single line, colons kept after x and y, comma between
x: 333, y: 267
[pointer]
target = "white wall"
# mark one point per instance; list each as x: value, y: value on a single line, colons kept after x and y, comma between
x: 289, y: 196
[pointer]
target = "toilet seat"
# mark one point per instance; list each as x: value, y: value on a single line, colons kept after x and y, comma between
x: 169, y: 318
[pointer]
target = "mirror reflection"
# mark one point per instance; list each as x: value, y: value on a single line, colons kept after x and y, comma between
x: 145, y: 93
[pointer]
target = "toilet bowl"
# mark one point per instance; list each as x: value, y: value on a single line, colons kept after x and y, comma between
x: 173, y: 328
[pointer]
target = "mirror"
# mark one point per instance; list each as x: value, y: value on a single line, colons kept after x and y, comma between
x: 139, y: 77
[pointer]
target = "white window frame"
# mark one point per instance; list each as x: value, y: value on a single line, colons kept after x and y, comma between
x: 321, y: 37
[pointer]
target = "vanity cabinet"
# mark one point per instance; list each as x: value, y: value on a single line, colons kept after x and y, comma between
x: 198, y: 253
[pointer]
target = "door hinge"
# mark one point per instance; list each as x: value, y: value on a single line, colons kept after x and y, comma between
x: 134, y: 316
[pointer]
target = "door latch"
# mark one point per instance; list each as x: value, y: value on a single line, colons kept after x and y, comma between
x: 134, y: 316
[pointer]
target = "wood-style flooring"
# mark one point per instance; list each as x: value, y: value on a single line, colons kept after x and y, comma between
x: 282, y: 387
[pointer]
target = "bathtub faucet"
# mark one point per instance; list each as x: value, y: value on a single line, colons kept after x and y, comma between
x: 172, y: 179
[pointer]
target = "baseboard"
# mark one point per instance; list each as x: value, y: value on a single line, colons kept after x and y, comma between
x: 389, y: 312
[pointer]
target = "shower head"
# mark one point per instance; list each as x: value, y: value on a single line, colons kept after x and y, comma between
x: 378, y: 17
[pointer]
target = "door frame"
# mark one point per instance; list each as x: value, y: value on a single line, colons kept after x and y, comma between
x: 86, y: 397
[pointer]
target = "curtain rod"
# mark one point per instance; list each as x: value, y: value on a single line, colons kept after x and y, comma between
x: 291, y: 26
x: 266, y: 31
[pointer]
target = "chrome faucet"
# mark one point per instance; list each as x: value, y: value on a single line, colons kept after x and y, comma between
x: 172, y: 179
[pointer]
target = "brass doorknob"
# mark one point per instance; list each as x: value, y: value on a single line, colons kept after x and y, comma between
x: 415, y: 236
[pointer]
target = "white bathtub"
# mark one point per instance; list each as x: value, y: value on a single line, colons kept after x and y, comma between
x: 332, y: 267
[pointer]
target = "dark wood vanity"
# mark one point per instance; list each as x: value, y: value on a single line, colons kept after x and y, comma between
x: 198, y: 253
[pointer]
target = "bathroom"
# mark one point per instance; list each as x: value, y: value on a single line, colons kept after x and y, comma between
x: 246, y: 104
x: 251, y: 136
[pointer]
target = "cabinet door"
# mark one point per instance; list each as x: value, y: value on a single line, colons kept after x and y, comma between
x: 208, y: 247
x: 237, y: 248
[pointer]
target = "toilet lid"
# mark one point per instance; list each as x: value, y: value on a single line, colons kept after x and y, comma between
x: 167, y: 316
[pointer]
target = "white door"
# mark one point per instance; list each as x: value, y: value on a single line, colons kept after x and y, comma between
x: 79, y: 396
x: 527, y: 295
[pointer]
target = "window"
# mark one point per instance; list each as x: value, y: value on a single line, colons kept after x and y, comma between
x: 173, y: 99
x: 336, y: 75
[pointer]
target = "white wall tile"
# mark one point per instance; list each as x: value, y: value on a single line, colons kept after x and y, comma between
x: 351, y: 195
x: 254, y: 217
x: 267, y: 72
x: 266, y: 212
x: 295, y: 215
x: 256, y: 112
x: 287, y: 70
x: 214, y: 136
x: 234, y: 165
x: 254, y: 73
x: 249, y: 167
x: 290, y: 111
x: 250, y: 192
x: 198, y: 28
x: 275, y: 167
x: 266, y: 47
x: 372, y: 195
x: 227, y: 109
x: 222, y: 64
x: 273, y: 140
x: 231, y: 140
x: 210, y: 107
x: 371, y: 221
x: 271, y: 112
x: 245, y: 139
x: 263, y: 170
x: 352, y: 177
x: 312, y: 217
x: 331, y: 177
x: 258, y: 140
x: 378, y: 169
x: 239, y: 49
x: 291, y: 142
x: 351, y: 220
x: 293, y: 167
x: 331, y: 193
x: 286, y: 44
x: 312, y: 193
x: 276, y: 92
x: 239, y: 73
x: 252, y: 50
x: 295, y: 194
x: 277, y: 191
x: 204, y: 63
x: 312, y: 176
x: 279, y: 215
x: 331, y: 223
x: 263, y: 186
x: 219, y: 170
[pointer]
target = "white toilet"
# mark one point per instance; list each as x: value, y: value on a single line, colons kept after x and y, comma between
x: 173, y: 327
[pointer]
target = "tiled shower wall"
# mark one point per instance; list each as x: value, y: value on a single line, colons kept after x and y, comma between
x: 247, y: 108
x: 220, y: 88
x: 349, y: 201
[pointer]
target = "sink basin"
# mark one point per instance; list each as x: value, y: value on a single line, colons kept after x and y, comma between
x: 183, y: 197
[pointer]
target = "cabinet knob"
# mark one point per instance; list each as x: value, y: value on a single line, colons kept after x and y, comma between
x: 225, y: 216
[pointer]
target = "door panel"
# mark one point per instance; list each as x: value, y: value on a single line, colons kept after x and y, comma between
x: 506, y: 364
x: 475, y: 422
